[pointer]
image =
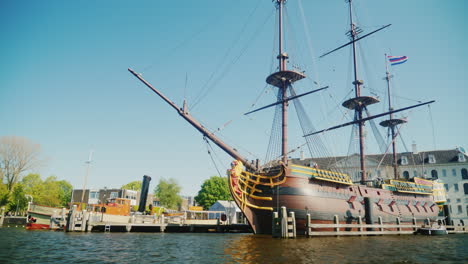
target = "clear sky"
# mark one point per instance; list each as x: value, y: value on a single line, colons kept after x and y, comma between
x: 64, y: 82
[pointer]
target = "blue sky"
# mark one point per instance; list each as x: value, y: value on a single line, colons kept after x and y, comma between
x: 64, y: 82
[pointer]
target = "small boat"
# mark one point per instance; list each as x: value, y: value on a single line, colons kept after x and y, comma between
x: 433, y: 230
x: 42, y: 217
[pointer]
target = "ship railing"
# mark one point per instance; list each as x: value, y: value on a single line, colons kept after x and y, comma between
x: 244, y: 187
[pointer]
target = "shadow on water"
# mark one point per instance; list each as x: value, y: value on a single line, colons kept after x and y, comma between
x: 21, y: 246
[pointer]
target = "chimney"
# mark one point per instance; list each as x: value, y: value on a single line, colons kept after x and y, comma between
x: 415, y: 149
x: 144, y: 193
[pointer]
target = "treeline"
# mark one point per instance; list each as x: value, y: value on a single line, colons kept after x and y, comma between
x: 48, y: 192
x: 168, y: 192
x: 18, y: 155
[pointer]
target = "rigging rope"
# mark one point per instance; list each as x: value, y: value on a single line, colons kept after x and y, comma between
x: 208, y: 147
x: 274, y: 149
x: 183, y: 42
x: 376, y: 132
x: 207, y: 88
x: 432, y: 126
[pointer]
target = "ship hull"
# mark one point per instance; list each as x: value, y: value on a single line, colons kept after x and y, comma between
x: 324, y: 200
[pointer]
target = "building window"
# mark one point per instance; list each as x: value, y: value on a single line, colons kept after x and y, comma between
x: 460, y: 210
x: 114, y: 195
x: 454, y: 172
x: 464, y: 173
x: 404, y: 160
x: 465, y: 187
x: 93, y: 195
x: 446, y: 187
x: 458, y: 200
x: 415, y: 174
x: 444, y: 172
x: 467, y: 210
x: 448, y: 200
x: 434, y: 174
x: 406, y: 175
x: 432, y: 158
x: 455, y: 187
x: 461, y: 157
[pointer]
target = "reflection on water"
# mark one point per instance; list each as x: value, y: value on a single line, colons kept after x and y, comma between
x: 21, y: 246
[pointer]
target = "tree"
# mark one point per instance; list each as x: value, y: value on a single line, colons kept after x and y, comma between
x: 168, y: 193
x: 134, y: 185
x: 65, y: 192
x: 3, y: 195
x: 214, y: 189
x: 17, y: 155
x: 50, y: 192
x: 18, y: 201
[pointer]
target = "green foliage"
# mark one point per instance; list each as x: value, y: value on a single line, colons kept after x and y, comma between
x: 65, y: 192
x: 134, y: 185
x: 168, y: 193
x: 4, y: 194
x: 214, y: 189
x: 50, y: 192
x: 18, y: 201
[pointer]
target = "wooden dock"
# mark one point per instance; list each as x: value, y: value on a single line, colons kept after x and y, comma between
x: 284, y: 226
x: 83, y: 221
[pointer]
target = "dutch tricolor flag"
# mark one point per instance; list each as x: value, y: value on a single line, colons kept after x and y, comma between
x: 395, y: 60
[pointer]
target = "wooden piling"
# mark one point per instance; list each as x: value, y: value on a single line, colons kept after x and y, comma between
x: 307, y: 232
x: 398, y: 222
x: 336, y: 221
x: 284, y: 222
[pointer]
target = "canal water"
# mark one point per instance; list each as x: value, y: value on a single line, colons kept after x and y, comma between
x: 21, y: 246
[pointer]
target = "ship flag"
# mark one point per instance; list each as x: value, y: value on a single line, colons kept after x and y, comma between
x: 395, y: 60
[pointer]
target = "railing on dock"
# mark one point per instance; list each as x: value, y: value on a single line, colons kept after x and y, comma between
x: 453, y: 229
x: 360, y: 229
x: 284, y: 226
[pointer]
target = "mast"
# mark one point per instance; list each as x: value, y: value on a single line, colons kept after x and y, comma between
x: 88, y: 163
x: 358, y: 107
x: 360, y: 103
x: 283, y: 79
x: 391, y: 123
x: 282, y: 66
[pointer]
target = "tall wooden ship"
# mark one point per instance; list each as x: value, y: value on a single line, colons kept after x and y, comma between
x: 322, y: 192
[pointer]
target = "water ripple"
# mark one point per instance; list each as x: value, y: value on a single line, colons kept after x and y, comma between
x: 22, y: 246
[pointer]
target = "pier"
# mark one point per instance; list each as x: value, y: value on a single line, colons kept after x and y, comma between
x: 84, y: 221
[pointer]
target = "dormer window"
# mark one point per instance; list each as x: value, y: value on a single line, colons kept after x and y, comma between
x: 432, y: 158
x: 404, y: 160
x: 461, y: 157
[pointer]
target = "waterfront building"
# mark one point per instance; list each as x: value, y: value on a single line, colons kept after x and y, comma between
x: 449, y: 166
x: 231, y: 210
x: 98, y: 196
